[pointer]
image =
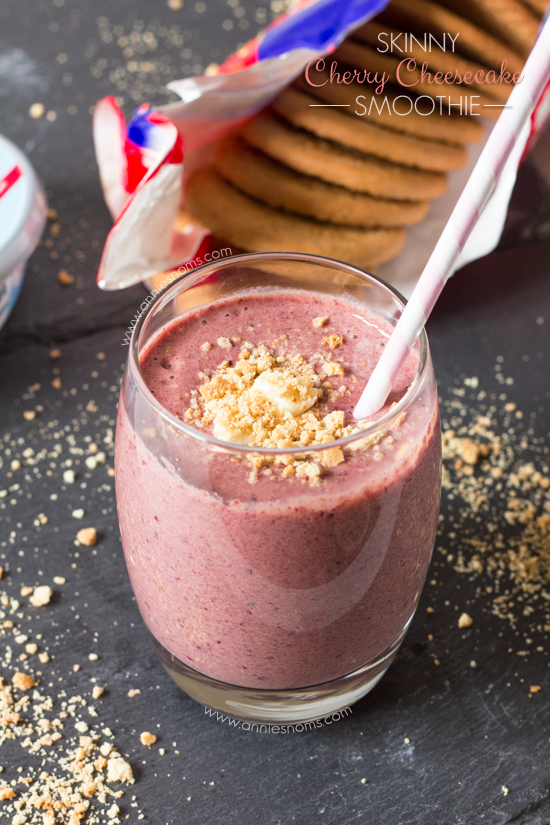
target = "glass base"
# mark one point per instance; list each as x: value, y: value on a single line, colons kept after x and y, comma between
x: 279, y: 707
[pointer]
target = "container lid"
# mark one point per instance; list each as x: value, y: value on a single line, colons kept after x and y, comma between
x: 22, y: 208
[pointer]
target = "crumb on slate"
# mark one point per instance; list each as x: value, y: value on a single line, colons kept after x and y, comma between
x: 147, y: 738
x: 41, y: 596
x: 87, y: 536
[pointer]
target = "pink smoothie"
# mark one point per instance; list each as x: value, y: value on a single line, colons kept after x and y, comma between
x: 277, y: 584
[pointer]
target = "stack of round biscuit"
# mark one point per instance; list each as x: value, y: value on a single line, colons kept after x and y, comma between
x: 308, y: 174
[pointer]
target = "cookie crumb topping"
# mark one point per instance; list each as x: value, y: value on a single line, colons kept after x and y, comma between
x: 320, y: 321
x: 264, y: 400
x: 333, y: 341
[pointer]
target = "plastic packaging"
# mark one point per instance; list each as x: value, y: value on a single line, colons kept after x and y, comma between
x: 22, y: 218
x: 142, y: 171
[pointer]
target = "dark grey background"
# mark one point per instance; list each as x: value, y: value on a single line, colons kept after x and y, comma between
x: 471, y: 731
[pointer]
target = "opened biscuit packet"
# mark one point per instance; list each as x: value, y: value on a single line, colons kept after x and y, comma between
x: 347, y: 128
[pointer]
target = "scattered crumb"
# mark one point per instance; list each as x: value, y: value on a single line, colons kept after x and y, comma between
x: 6, y: 792
x: 37, y: 110
x: 31, y: 648
x: 78, y: 513
x: 465, y: 621
x: 332, y: 457
x: 469, y: 451
x: 473, y: 663
x: 93, y: 657
x: 534, y: 688
x: 175, y: 5
x: 29, y: 415
x: 59, y: 580
x: 97, y: 692
x: 147, y: 738
x: 87, y: 536
x: 55, y: 354
x: 224, y: 343
x: 64, y: 278
x: 332, y: 368
x: 132, y: 693
x: 206, y: 347
x: 118, y: 770
x: 23, y: 681
x: 41, y: 596
x: 333, y: 341
x: 69, y: 476
x: 113, y: 812
x: 320, y: 321
x: 505, y: 790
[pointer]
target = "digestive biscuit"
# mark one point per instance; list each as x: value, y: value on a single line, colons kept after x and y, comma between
x: 426, y: 16
x: 255, y: 227
x: 326, y: 160
x: 364, y: 57
x: 508, y: 20
x: 375, y: 34
x: 363, y: 103
x: 271, y: 182
x: 361, y: 134
x: 537, y: 6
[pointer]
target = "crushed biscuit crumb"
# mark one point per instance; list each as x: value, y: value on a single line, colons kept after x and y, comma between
x: 320, y: 321
x: 87, y: 536
x: 332, y: 368
x: 118, y: 770
x: 41, y: 596
x: 333, y: 341
x: 64, y: 278
x: 6, y: 792
x: 147, y: 738
x: 23, y: 681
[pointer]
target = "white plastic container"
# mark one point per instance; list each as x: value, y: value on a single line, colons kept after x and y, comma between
x: 22, y: 217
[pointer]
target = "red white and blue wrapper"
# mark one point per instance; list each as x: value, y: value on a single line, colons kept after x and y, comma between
x: 143, y: 165
x: 22, y: 218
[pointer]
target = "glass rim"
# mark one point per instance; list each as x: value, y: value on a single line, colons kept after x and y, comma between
x: 193, y: 278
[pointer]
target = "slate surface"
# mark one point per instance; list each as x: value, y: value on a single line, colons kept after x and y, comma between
x: 470, y: 731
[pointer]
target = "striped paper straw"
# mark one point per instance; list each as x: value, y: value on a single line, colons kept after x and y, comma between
x: 465, y: 215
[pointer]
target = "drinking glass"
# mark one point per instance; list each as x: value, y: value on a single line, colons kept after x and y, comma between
x: 289, y: 609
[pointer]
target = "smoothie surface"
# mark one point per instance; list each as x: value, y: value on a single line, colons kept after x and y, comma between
x: 336, y: 341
